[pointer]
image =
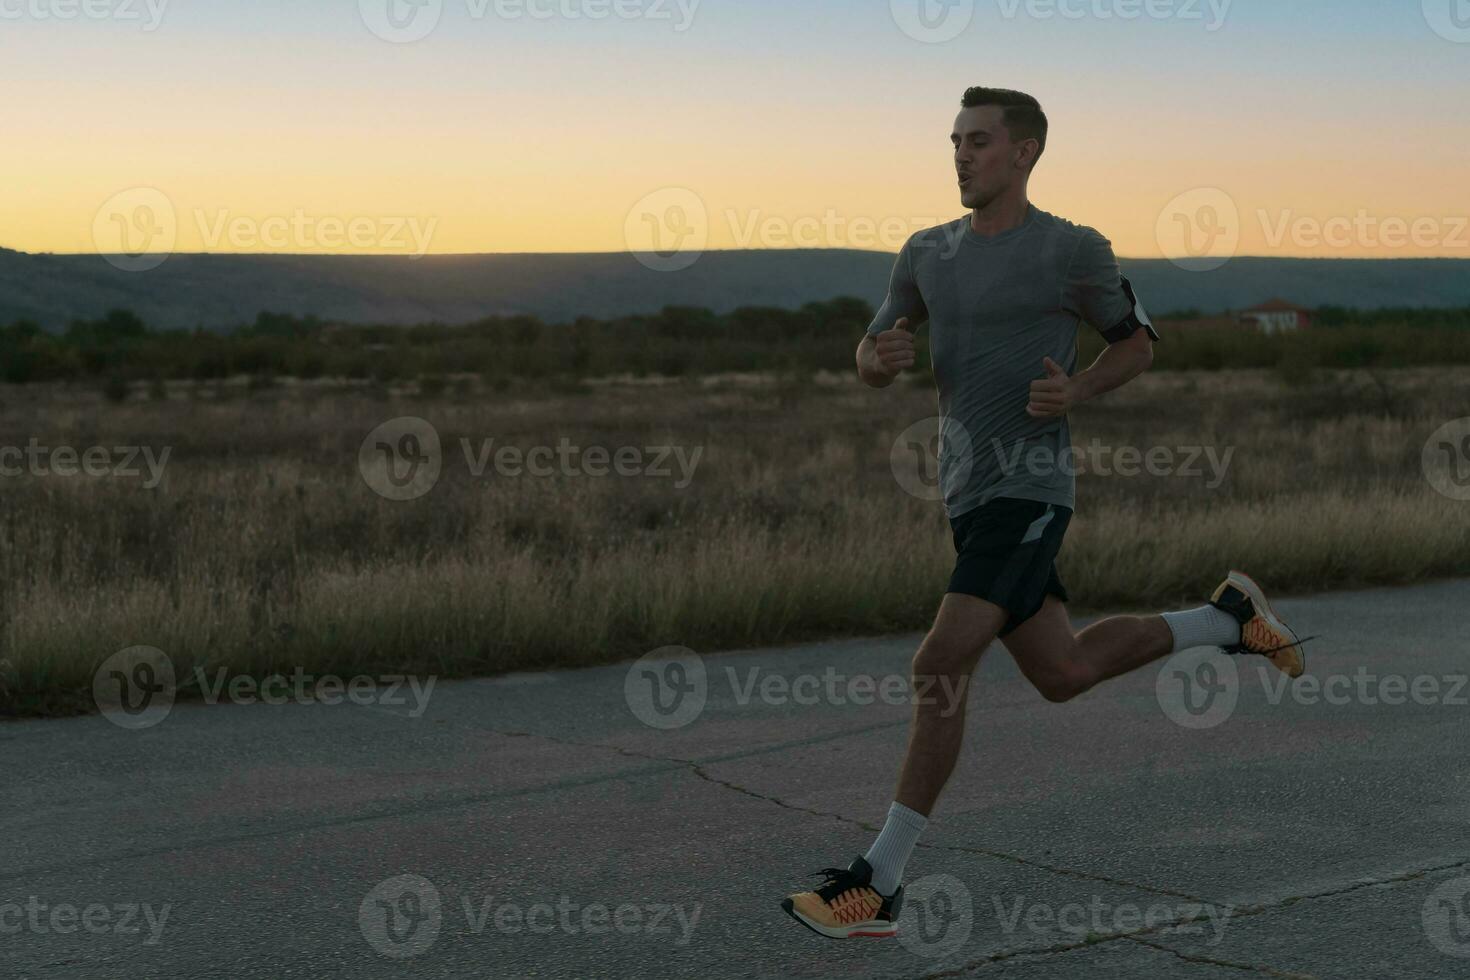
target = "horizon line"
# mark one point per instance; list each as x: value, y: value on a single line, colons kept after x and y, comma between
x: 1177, y: 261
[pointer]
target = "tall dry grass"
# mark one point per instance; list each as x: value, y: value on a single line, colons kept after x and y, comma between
x: 264, y: 550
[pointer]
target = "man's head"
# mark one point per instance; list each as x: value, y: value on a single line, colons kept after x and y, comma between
x: 998, y: 137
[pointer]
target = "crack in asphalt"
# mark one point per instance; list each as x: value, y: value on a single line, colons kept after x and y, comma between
x: 1231, y: 964
x: 698, y: 769
x: 1044, y: 952
x: 1135, y: 936
x: 1245, y: 911
x: 423, y: 807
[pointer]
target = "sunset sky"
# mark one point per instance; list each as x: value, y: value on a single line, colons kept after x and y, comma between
x: 271, y: 125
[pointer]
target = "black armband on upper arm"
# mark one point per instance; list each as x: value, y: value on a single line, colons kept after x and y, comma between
x: 1136, y: 320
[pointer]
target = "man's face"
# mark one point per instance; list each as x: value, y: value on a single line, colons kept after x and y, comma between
x: 986, y: 160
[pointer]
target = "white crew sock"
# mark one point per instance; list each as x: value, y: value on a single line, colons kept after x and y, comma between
x: 1202, y: 627
x: 890, y: 852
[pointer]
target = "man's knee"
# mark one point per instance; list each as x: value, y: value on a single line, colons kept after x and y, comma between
x: 945, y: 654
x: 1064, y: 681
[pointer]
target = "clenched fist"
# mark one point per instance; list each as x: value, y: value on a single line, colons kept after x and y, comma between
x: 1052, y: 396
x: 896, y: 348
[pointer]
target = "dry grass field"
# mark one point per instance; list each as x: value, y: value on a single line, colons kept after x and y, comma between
x: 264, y: 549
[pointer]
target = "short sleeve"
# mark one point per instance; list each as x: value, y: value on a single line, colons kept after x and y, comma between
x: 1095, y: 290
x: 903, y: 298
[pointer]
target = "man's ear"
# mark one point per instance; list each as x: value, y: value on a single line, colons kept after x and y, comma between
x: 1026, y: 155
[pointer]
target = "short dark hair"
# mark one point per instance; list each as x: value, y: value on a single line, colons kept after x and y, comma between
x: 1023, y: 116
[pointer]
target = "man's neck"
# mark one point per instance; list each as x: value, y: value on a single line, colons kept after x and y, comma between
x: 1000, y: 215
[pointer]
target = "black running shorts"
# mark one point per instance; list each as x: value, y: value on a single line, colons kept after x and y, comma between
x: 1006, y: 554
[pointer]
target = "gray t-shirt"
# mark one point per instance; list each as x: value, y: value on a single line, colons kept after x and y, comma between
x: 995, y: 307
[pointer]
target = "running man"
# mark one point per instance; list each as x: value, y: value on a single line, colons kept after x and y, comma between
x: 1003, y: 291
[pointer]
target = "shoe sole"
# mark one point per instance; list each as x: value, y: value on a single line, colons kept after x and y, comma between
x: 875, y: 930
x: 1248, y: 585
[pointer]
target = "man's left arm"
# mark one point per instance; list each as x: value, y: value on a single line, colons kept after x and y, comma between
x: 1101, y: 296
x: 1118, y: 364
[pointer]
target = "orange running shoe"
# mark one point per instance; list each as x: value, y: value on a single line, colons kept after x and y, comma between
x: 846, y: 906
x: 1261, y: 631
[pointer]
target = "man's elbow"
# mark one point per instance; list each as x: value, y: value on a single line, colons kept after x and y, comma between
x: 1143, y: 346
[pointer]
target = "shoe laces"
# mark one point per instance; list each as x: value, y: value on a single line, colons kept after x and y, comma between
x: 1236, y: 649
x: 838, y: 881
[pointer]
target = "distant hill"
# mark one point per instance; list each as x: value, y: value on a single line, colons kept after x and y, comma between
x: 221, y: 291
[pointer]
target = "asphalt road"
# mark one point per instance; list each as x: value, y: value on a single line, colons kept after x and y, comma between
x: 1198, y: 821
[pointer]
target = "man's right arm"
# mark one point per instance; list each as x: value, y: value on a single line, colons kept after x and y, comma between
x: 888, y: 347
x: 880, y: 357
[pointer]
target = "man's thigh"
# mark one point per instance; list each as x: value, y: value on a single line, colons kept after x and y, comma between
x: 964, y: 626
x: 1043, y: 644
